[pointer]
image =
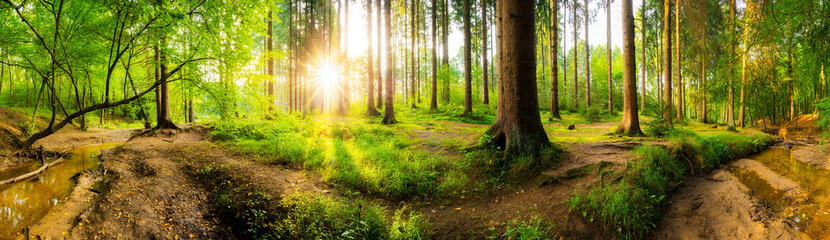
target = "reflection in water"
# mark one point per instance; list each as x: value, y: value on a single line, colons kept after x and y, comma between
x: 811, y: 216
x: 25, y: 203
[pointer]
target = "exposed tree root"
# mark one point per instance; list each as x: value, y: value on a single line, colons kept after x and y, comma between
x: 32, y: 173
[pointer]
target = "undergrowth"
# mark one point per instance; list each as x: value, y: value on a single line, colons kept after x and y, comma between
x: 629, y: 207
x: 250, y: 213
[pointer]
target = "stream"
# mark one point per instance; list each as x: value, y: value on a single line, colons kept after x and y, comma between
x: 24, y: 203
x: 810, y: 215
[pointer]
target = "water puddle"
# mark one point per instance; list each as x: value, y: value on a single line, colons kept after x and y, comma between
x: 25, y: 203
x: 811, y: 216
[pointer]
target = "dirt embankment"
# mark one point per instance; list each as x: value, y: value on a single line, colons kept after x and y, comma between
x: 150, y: 195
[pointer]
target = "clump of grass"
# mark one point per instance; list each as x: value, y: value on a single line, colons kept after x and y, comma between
x: 533, y: 229
x: 493, y: 164
x: 316, y: 217
x: 409, y: 226
x: 630, y: 207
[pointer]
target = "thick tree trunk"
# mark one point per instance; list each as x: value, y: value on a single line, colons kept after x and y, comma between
x: 630, y: 123
x: 554, y: 60
x: 163, y: 120
x: 389, y: 111
x: 518, y: 128
x: 608, y: 53
x: 370, y: 98
x: 433, y: 100
x: 484, y: 54
x: 468, y: 75
x: 667, y: 66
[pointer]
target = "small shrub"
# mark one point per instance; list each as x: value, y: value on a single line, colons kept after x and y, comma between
x: 533, y: 229
x: 824, y: 116
x: 595, y: 113
x: 411, y: 226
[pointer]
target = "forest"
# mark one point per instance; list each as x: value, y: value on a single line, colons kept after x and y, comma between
x: 414, y: 119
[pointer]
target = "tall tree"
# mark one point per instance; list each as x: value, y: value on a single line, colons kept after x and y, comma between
x: 163, y: 120
x: 608, y: 53
x: 587, y: 59
x: 484, y: 53
x: 445, y: 62
x: 270, y: 48
x: 468, y: 74
x: 518, y: 128
x: 667, y: 66
x: 553, y: 28
x: 412, y: 38
x: 576, y: 67
x: 680, y: 103
x: 730, y: 110
x: 379, y: 59
x: 433, y: 101
x: 630, y: 123
x: 389, y: 111
x: 370, y: 107
x: 643, y: 55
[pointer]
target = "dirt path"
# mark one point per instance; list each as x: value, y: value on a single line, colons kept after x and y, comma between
x: 152, y: 195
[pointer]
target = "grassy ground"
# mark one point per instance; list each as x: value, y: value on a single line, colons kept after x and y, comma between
x: 427, y: 157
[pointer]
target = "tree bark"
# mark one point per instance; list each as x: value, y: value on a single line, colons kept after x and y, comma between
x: 389, y: 111
x: 270, y: 46
x: 433, y: 100
x: 576, y: 56
x: 370, y: 100
x: 163, y: 120
x: 554, y: 60
x: 630, y: 123
x: 730, y: 111
x: 412, y: 38
x: 518, y: 127
x: 484, y: 54
x: 446, y: 60
x: 643, y: 56
x: 680, y: 99
x: 667, y: 66
x: 608, y: 54
x: 587, y: 59
x: 468, y: 75
x: 379, y: 58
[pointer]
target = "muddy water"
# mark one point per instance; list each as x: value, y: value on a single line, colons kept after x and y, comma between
x: 25, y: 203
x: 811, y: 216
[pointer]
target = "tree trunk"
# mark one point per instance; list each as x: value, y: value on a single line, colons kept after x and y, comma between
x: 630, y: 123
x: 389, y: 111
x: 554, y: 60
x: 608, y: 54
x: 576, y: 56
x: 484, y: 54
x: 518, y: 127
x: 704, y: 111
x: 667, y: 66
x: 730, y: 111
x: 446, y: 60
x: 433, y: 100
x: 379, y: 55
x: 643, y: 56
x: 468, y: 75
x: 370, y: 98
x: 742, y: 110
x: 412, y: 56
x: 587, y: 59
x: 270, y: 48
x: 679, y: 72
x: 163, y: 120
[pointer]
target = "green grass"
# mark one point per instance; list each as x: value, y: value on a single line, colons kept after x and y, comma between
x: 251, y: 213
x: 536, y: 228
x: 629, y: 208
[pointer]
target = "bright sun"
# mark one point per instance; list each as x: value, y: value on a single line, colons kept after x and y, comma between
x: 327, y: 74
